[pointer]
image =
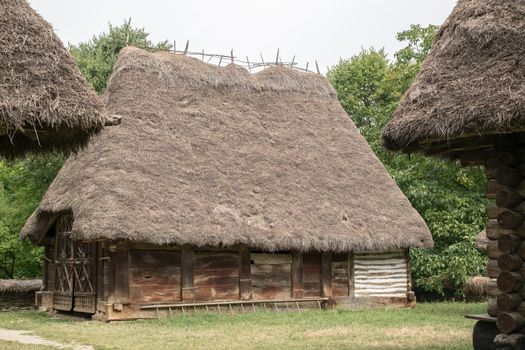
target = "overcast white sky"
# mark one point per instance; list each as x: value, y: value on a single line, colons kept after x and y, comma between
x: 312, y: 30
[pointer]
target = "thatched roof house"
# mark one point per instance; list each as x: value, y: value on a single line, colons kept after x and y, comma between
x: 269, y: 160
x: 468, y: 103
x: 472, y: 83
x: 17, y: 294
x: 214, y: 157
x: 45, y: 102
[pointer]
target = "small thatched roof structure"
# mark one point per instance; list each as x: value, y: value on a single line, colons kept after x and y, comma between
x: 20, y: 286
x: 481, y: 241
x: 473, y: 81
x: 45, y: 102
x: 209, y: 155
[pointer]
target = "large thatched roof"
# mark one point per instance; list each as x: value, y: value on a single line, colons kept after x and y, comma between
x: 209, y: 155
x: 45, y: 103
x: 473, y: 81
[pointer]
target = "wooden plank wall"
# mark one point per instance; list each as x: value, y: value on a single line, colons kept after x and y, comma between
x: 154, y: 276
x: 340, y: 282
x: 216, y: 275
x: 312, y: 274
x: 271, y: 275
x: 381, y: 275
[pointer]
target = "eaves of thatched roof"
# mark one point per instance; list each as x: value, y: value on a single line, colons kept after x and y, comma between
x: 209, y: 155
x: 473, y: 81
x: 45, y: 102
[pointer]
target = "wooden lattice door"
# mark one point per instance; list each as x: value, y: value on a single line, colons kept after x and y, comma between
x: 75, y: 276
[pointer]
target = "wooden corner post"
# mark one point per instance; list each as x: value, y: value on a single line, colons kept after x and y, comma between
x: 245, y: 276
x: 297, y: 275
x: 187, y: 263
x: 326, y: 274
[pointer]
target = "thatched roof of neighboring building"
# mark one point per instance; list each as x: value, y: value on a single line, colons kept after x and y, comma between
x: 473, y: 81
x: 20, y: 286
x: 45, y: 102
x: 481, y: 241
x: 209, y: 155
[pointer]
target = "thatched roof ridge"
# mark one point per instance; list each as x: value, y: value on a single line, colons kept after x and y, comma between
x: 42, y: 92
x: 20, y: 286
x: 209, y: 155
x: 473, y: 81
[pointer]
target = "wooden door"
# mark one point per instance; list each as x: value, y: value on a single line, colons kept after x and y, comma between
x: 75, y: 274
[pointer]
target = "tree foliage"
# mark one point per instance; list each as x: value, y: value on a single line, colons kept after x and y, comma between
x: 96, y: 57
x: 450, y: 198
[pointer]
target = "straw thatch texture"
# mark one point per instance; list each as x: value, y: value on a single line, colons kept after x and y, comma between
x: 20, y: 286
x: 209, y: 155
x: 473, y: 81
x: 41, y: 89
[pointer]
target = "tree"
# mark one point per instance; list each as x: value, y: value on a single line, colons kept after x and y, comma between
x: 450, y: 198
x: 96, y: 57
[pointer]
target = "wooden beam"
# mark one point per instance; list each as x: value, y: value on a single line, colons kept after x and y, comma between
x: 121, y: 275
x: 326, y: 274
x: 187, y: 263
x: 351, y: 275
x: 297, y: 275
x: 245, y: 277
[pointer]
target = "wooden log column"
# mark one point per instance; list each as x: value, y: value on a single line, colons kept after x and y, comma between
x: 505, y: 172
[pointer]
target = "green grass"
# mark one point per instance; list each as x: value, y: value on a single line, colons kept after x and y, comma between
x: 428, y: 326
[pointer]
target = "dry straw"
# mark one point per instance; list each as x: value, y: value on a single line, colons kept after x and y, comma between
x: 210, y: 155
x: 45, y: 103
x: 473, y: 81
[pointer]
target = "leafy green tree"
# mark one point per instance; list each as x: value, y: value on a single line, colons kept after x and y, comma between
x: 22, y: 185
x: 96, y: 57
x: 450, y: 198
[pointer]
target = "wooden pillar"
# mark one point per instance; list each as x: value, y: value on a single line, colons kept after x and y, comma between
x: 351, y: 275
x: 326, y: 274
x: 245, y: 278
x: 120, y: 262
x: 297, y: 275
x: 187, y: 263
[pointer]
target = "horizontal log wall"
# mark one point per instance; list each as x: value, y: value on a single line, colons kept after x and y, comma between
x: 504, y: 170
x: 381, y: 275
x: 216, y: 275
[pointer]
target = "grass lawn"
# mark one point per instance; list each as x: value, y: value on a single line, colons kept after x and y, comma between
x: 428, y: 326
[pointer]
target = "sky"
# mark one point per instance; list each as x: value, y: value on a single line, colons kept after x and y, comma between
x: 311, y: 30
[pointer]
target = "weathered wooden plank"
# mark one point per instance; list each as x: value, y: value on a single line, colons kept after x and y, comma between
x: 380, y: 262
x: 154, y: 276
x: 217, y: 292
x: 187, y: 266
x: 216, y: 260
x: 245, y: 278
x: 312, y: 274
x: 271, y: 293
x: 268, y: 258
x: 326, y: 274
x: 351, y: 274
x: 271, y: 269
x: 143, y: 294
x: 121, y: 262
x: 154, y: 258
x: 215, y: 277
x: 297, y: 275
x: 379, y: 257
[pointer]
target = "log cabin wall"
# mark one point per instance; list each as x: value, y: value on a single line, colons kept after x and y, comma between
x: 381, y: 275
x: 505, y: 188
